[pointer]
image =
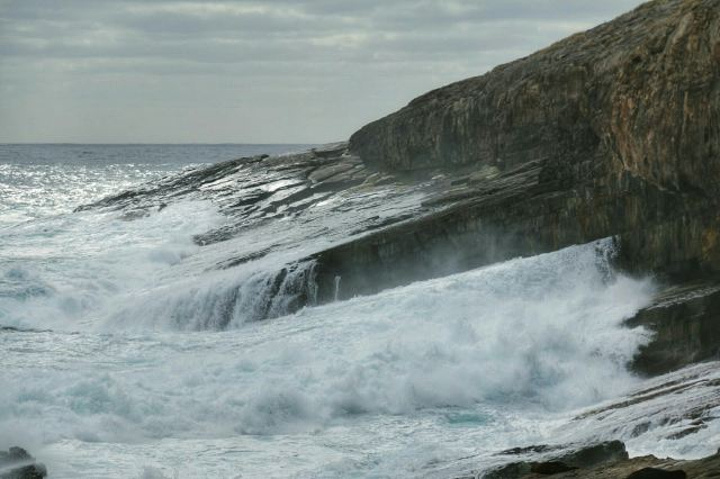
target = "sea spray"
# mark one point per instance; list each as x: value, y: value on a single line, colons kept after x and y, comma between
x: 219, y: 299
x: 539, y: 333
x: 68, y: 271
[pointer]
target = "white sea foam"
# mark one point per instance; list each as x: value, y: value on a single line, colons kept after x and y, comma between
x: 64, y: 272
x: 519, y: 339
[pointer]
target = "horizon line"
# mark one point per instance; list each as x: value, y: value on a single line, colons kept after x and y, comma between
x: 72, y: 143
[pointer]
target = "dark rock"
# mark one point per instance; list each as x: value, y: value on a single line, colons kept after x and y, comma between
x: 17, y: 463
x: 554, y: 461
x: 550, y: 467
x: 33, y: 471
x: 15, y: 454
x: 513, y: 470
x: 582, y: 456
x: 684, y: 319
x: 602, y: 453
x: 654, y: 473
x: 536, y: 449
x: 618, y: 466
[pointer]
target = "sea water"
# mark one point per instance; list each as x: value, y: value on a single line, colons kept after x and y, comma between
x: 112, y: 365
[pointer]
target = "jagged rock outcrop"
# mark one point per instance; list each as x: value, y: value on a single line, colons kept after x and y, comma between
x: 611, y: 132
x: 684, y: 320
x: 556, y: 462
x: 678, y: 406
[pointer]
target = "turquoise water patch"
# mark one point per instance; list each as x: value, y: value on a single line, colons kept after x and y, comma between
x: 467, y: 419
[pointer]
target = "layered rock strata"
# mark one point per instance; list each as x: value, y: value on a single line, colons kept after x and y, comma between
x: 626, y: 116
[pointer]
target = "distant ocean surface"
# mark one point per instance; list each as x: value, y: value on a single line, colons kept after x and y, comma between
x: 38, y: 180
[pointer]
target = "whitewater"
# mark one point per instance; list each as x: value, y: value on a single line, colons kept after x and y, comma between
x: 123, y: 357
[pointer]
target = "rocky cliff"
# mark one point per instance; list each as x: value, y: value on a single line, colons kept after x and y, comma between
x: 625, y: 118
x: 614, y: 132
x: 611, y: 132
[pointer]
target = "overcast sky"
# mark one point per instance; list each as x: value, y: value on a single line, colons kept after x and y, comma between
x: 273, y: 71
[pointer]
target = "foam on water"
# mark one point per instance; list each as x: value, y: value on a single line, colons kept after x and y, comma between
x: 488, y: 350
x: 63, y: 272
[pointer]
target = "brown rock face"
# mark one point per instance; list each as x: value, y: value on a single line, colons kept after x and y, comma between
x: 624, y: 117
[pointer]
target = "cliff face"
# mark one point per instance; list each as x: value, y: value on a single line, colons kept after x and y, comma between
x: 643, y: 89
x: 625, y: 117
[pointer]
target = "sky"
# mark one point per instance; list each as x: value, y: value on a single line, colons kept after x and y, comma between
x: 273, y: 71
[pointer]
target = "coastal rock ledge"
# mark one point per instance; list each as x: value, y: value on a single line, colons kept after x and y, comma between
x: 618, y: 466
x: 610, y: 132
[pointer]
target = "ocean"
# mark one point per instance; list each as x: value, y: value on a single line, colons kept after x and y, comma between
x: 114, y: 366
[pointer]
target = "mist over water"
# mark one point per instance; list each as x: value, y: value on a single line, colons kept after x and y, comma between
x: 145, y: 362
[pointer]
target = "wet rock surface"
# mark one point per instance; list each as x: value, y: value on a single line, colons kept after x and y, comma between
x: 280, y: 214
x: 684, y: 320
x: 673, y: 408
x: 659, y: 403
x: 17, y: 463
x: 644, y: 467
x: 655, y: 473
x: 545, y: 460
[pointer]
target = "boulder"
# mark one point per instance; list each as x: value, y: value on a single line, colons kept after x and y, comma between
x: 17, y: 463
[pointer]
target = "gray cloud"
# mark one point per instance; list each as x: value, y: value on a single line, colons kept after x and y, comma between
x: 251, y: 71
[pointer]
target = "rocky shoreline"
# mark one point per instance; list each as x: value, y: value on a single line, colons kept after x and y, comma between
x: 614, y: 132
x: 587, y: 464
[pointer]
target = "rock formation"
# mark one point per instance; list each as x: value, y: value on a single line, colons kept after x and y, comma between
x: 17, y: 463
x: 625, y: 119
x: 614, y: 132
x: 610, y: 132
x: 645, y: 467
